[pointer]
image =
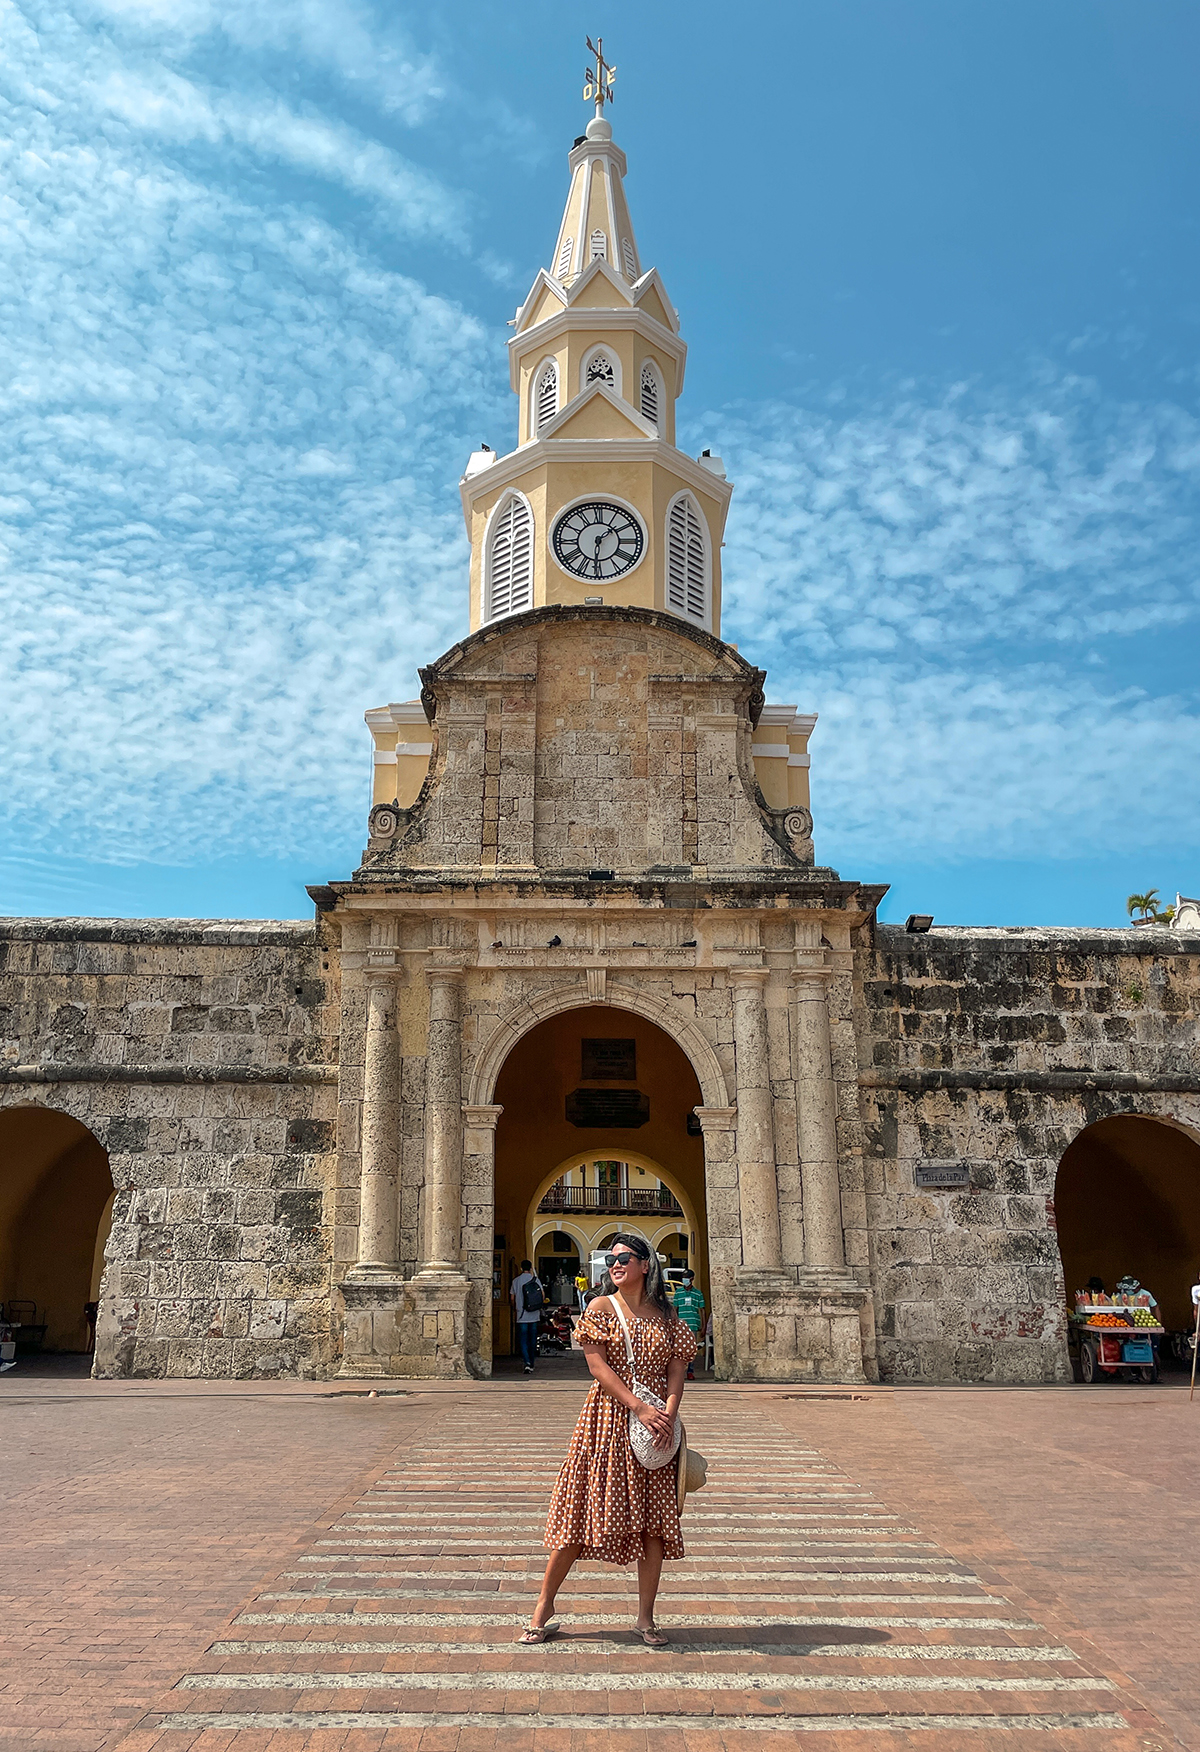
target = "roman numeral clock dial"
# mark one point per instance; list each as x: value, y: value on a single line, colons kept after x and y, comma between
x: 597, y: 540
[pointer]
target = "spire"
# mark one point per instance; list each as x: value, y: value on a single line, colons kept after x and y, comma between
x: 596, y: 220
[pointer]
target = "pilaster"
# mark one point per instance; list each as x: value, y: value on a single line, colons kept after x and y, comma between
x: 757, y: 1190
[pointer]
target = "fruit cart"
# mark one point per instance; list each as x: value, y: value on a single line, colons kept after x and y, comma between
x: 1115, y: 1338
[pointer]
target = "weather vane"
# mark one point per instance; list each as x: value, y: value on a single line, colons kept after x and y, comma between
x: 598, y: 80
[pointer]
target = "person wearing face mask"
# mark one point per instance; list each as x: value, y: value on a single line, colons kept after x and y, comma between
x: 606, y: 1504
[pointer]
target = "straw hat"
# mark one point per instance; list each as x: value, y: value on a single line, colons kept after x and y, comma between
x: 691, y: 1472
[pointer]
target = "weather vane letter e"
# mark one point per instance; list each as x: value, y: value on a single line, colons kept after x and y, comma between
x: 598, y: 80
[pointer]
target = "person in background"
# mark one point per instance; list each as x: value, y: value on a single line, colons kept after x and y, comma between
x: 1130, y: 1287
x: 581, y: 1289
x: 522, y: 1294
x: 689, y: 1305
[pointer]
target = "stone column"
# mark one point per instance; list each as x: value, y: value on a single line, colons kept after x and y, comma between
x: 444, y: 1122
x: 379, y: 1203
x: 719, y: 1126
x: 479, y: 1189
x: 816, y: 1116
x: 758, y: 1193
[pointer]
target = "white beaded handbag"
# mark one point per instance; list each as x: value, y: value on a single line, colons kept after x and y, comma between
x: 641, y: 1440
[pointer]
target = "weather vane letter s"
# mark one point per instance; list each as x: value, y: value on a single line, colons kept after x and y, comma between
x: 598, y: 79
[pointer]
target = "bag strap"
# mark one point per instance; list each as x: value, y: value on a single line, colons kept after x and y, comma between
x: 616, y: 1307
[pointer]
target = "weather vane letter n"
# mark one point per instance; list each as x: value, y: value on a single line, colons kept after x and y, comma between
x: 598, y: 79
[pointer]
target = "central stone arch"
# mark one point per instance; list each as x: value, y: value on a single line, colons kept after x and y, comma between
x: 540, y: 1007
x: 495, y: 1168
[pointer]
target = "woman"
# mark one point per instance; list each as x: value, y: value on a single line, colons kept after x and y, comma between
x: 605, y: 1504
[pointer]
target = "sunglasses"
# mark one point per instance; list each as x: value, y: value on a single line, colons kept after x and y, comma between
x: 621, y: 1259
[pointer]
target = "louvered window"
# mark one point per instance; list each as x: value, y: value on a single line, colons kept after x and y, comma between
x: 599, y: 246
x: 510, y: 560
x: 630, y: 258
x: 546, y: 395
x: 564, y: 258
x: 650, y: 394
x: 687, y: 561
x: 600, y: 370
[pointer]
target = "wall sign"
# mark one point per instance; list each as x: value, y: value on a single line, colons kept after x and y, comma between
x: 941, y: 1174
x: 609, y: 1061
x: 610, y: 1109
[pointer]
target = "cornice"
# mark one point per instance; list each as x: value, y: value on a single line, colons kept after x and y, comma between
x: 552, y: 328
x: 541, y: 452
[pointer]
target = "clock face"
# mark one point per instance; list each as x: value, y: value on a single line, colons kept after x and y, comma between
x: 597, y: 540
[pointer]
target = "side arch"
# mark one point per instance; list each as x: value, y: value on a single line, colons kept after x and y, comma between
x: 56, y: 1199
x: 527, y: 1014
x: 1127, y: 1200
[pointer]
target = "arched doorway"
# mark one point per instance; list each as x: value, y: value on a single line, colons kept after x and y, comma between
x: 602, y: 1099
x: 1127, y: 1200
x: 603, y: 1189
x: 56, y: 1196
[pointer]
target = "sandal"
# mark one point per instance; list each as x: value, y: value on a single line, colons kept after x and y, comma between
x: 651, y: 1635
x: 537, y: 1633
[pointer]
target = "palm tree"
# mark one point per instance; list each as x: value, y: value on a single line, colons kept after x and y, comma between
x: 1145, y: 906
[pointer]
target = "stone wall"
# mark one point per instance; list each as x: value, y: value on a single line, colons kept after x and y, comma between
x: 203, y: 1058
x: 993, y: 1049
x: 573, y: 738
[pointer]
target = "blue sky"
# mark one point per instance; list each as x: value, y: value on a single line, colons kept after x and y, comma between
x: 937, y: 268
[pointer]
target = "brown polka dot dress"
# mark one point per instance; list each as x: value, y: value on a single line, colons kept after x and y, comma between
x: 604, y: 1500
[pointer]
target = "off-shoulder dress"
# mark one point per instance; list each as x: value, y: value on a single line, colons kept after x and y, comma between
x: 604, y: 1500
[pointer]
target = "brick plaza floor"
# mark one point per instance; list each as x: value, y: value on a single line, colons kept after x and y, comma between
x: 193, y: 1565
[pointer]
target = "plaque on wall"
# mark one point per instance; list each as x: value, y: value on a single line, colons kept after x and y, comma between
x: 941, y: 1174
x: 612, y: 1109
x: 609, y: 1061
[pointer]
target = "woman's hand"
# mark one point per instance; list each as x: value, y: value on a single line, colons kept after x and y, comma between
x: 660, y: 1423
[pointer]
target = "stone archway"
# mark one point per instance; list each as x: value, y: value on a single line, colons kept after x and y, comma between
x: 531, y: 1011
x: 1127, y: 1199
x: 56, y: 1196
x: 599, y: 1087
x: 658, y: 1205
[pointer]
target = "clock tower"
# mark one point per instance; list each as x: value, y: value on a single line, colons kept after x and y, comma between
x: 596, y: 504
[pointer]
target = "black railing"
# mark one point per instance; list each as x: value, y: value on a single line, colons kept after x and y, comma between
x: 614, y: 1199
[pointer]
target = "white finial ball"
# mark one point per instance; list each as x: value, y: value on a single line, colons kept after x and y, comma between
x: 599, y: 129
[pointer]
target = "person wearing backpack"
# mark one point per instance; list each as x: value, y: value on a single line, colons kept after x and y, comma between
x: 528, y: 1298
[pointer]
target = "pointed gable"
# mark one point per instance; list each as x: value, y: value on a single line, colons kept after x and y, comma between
x: 598, y: 413
x: 651, y: 301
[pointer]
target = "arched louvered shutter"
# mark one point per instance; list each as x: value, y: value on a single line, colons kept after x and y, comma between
x: 564, y: 258
x: 600, y: 370
x: 509, y: 587
x: 650, y: 394
x: 687, y: 560
x: 630, y: 258
x: 546, y: 396
x: 599, y: 246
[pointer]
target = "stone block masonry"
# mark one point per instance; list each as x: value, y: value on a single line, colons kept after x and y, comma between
x: 202, y: 1057
x: 990, y: 1051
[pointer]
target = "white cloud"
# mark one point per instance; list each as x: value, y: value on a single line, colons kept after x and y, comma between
x: 933, y: 575
x: 229, y: 443
x: 367, y: 51
x: 230, y: 435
